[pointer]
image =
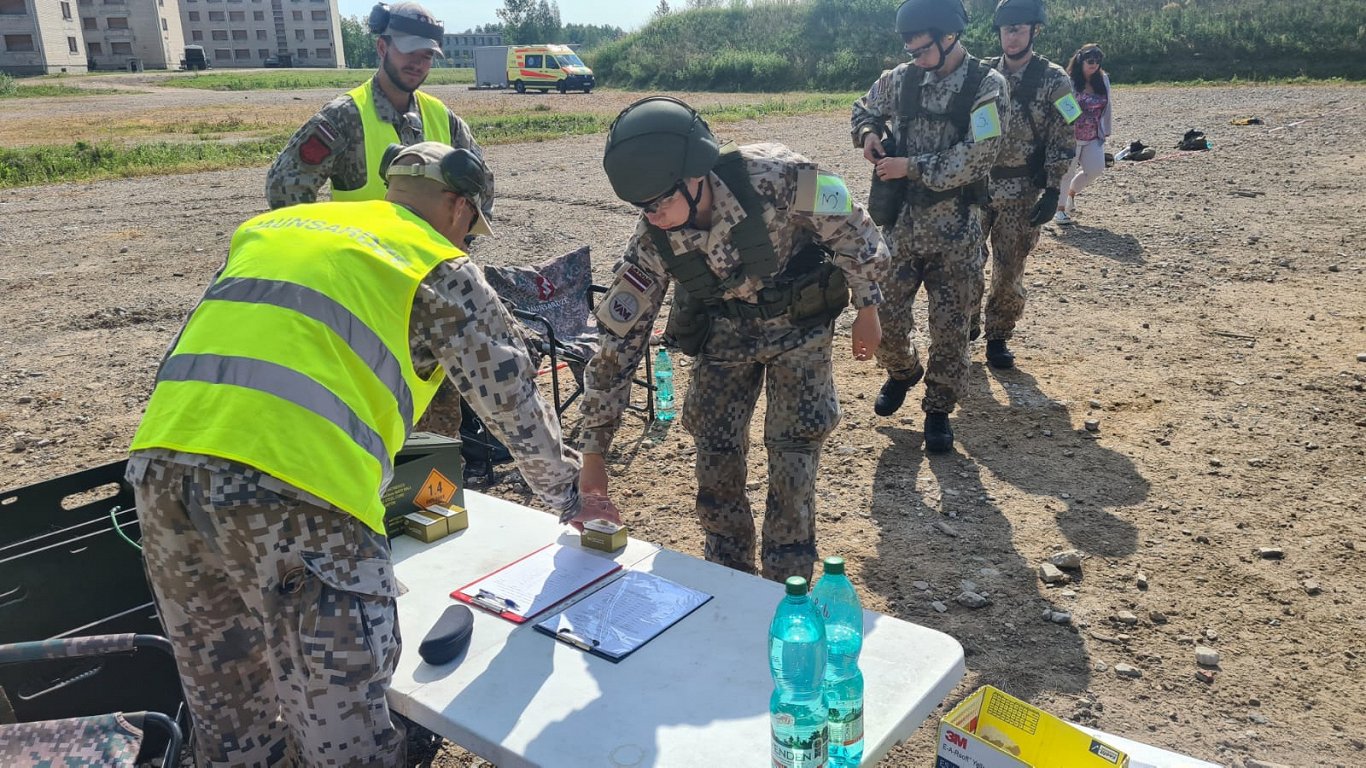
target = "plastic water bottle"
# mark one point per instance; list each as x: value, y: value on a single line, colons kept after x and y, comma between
x: 839, y: 607
x: 664, y: 386
x: 796, y: 657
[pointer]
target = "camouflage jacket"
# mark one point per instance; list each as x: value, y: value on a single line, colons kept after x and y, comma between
x: 337, y: 128
x: 458, y: 323
x: 1038, y: 123
x: 858, y: 250
x: 941, y: 157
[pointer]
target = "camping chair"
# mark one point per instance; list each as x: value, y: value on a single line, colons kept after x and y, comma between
x: 553, y: 301
x: 112, y: 739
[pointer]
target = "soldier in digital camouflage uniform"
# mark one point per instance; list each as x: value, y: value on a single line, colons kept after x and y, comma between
x: 1035, y: 154
x: 344, y: 141
x: 271, y: 433
x: 763, y: 249
x: 948, y: 134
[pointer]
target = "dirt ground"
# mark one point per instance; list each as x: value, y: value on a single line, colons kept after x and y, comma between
x: 1208, y: 310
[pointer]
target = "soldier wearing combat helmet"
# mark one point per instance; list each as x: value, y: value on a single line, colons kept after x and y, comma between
x: 946, y: 112
x: 763, y: 249
x: 1035, y: 154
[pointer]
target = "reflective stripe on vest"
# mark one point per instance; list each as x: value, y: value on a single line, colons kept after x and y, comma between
x: 378, y: 135
x: 297, y: 361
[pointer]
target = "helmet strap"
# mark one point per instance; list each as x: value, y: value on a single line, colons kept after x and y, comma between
x: 943, y: 54
x: 1028, y: 49
x: 692, y: 206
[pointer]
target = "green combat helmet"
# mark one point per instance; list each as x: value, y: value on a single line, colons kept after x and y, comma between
x: 653, y: 145
x: 946, y: 17
x: 1012, y: 12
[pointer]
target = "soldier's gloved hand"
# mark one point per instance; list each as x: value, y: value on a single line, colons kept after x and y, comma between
x: 1045, y: 208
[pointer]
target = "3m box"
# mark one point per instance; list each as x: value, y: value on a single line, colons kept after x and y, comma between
x: 429, y: 470
x: 424, y: 526
x: 457, y: 519
x: 992, y: 729
x: 603, y: 535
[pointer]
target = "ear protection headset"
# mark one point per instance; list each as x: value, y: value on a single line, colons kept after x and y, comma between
x: 461, y: 171
x: 382, y: 22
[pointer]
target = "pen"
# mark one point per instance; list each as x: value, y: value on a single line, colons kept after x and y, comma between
x: 493, y: 602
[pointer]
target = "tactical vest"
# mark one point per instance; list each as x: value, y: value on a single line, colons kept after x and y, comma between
x: 811, y: 288
x: 378, y: 135
x: 297, y: 360
x: 1024, y: 97
x: 959, y: 115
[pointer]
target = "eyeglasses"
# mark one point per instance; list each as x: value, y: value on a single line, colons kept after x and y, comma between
x: 654, y: 204
x: 915, y: 53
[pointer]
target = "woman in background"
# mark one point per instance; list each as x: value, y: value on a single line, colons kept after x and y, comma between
x: 1092, y: 87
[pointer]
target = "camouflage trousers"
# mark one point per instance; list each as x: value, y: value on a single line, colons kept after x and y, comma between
x: 793, y: 365
x: 1012, y: 238
x: 953, y: 283
x: 282, y: 615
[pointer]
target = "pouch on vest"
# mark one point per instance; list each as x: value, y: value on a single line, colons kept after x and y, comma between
x: 886, y: 196
x: 689, y: 324
x: 819, y: 291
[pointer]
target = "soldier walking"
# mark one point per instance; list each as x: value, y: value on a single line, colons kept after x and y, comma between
x: 763, y: 248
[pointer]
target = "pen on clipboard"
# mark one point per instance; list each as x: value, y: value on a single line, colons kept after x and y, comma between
x: 576, y: 641
x: 493, y: 602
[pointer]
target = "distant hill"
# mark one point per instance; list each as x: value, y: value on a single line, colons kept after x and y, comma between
x: 775, y: 45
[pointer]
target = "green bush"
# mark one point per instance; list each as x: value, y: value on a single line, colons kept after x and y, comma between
x: 7, y: 86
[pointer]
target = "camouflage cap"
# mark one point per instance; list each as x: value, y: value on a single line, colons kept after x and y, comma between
x: 458, y: 170
x: 413, y: 28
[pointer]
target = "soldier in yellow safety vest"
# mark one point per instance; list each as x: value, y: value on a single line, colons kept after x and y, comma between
x: 344, y: 141
x: 271, y: 433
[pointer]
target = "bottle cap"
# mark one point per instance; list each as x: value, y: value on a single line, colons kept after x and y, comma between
x: 834, y: 565
x: 796, y: 585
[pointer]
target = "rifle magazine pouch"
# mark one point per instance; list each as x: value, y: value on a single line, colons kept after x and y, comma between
x: 885, y: 198
x: 820, y: 295
x: 689, y: 324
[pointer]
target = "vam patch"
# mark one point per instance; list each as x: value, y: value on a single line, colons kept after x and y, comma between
x: 624, y: 304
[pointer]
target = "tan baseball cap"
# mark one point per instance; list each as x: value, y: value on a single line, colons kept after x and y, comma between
x: 413, y: 28
x: 459, y: 170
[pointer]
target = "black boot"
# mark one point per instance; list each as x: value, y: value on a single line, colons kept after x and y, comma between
x: 938, y: 435
x: 999, y: 355
x: 894, y: 390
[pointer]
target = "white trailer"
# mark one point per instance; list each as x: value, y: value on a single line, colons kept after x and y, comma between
x: 491, y: 66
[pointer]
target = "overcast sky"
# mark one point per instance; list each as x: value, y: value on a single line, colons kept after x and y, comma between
x: 460, y: 15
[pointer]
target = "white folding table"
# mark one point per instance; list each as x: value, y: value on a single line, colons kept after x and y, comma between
x: 695, y: 695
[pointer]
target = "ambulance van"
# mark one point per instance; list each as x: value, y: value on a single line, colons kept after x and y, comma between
x: 542, y: 67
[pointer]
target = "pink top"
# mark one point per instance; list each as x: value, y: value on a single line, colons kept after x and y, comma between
x: 1092, y: 107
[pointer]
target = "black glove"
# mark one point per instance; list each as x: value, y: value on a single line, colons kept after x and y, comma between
x: 1045, y: 208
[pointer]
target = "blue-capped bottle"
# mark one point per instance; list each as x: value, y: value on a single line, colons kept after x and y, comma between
x: 796, y: 657
x: 664, y: 386
x: 839, y: 607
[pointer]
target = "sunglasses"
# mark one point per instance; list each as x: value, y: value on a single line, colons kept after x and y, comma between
x: 1093, y: 58
x: 915, y: 53
x: 654, y: 204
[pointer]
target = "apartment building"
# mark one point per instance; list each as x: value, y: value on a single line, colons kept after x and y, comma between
x: 132, y: 34
x: 265, y: 33
x: 459, y: 48
x: 40, y: 37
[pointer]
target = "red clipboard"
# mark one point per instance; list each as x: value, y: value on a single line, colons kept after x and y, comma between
x: 580, y: 570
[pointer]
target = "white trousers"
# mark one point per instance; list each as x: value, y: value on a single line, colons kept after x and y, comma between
x: 1086, y: 167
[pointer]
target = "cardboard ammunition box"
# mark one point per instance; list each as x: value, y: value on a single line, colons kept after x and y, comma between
x: 603, y: 535
x: 428, y: 470
x: 457, y: 519
x: 991, y: 729
x: 424, y: 526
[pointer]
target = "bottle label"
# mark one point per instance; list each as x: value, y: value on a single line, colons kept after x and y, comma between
x: 792, y: 751
x: 846, y: 723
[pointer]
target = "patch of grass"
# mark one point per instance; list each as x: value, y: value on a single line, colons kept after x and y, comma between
x: 84, y: 161
x: 11, y: 89
x: 298, y: 79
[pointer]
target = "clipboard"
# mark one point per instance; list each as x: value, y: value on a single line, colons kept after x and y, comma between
x: 536, y: 582
x: 620, y: 618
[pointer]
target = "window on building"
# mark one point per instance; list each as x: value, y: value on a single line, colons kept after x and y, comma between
x: 114, y: 2
x: 303, y: 53
x: 89, y: 22
x: 73, y: 45
x: 241, y: 54
x: 321, y: 34
x: 324, y: 53
x: 193, y: 15
x: 66, y: 14
x: 93, y: 50
x: 298, y: 34
x: 262, y: 53
x: 164, y: 28
x: 297, y: 15
x: 260, y: 34
x: 320, y: 15
x: 121, y: 49
x: 237, y: 15
x: 217, y: 16
x: 196, y: 35
x: 116, y: 22
x: 239, y: 34
x: 258, y: 15
x: 18, y: 42
x: 220, y: 34
x: 222, y: 54
x: 13, y: 8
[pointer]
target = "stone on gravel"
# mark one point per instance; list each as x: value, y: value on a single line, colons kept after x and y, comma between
x: 1092, y: 425
x: 938, y: 606
x: 1127, y: 618
x: 1068, y: 558
x: 1141, y: 580
x: 1270, y: 553
x: 1312, y: 587
x: 1206, y: 656
x: 923, y: 586
x: 1049, y: 574
x: 1128, y: 670
x: 973, y: 600
x: 946, y: 529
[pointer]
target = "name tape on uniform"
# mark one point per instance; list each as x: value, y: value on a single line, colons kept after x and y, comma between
x: 823, y: 193
x: 986, y: 122
x: 1069, y: 108
x: 624, y: 304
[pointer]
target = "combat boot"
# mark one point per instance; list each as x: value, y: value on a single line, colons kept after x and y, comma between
x: 999, y: 355
x: 938, y: 434
x: 894, y: 390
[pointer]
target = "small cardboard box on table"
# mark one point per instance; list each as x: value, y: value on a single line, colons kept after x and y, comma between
x: 991, y: 729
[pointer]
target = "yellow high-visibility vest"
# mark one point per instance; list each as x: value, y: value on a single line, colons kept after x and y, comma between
x: 436, y: 126
x: 297, y: 360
